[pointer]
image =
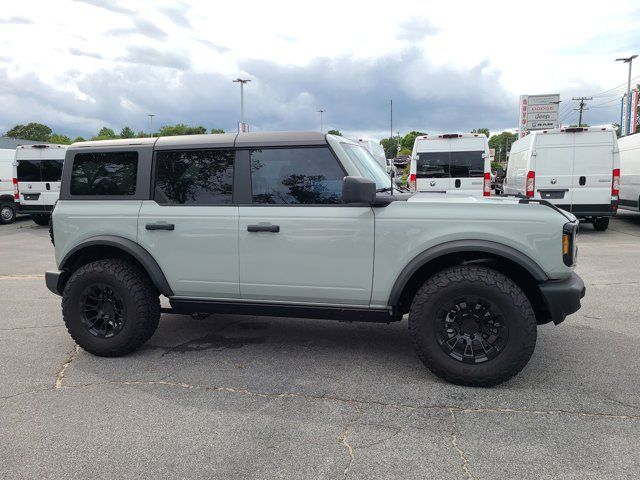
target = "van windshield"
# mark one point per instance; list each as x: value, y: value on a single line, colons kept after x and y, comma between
x: 450, y: 164
x: 369, y: 167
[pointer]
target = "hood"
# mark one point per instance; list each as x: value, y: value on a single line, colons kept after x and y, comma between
x: 439, y: 197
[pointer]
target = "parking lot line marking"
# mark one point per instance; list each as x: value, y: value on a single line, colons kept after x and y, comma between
x: 20, y: 277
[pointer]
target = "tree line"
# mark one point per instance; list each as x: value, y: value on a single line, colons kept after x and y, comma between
x: 39, y: 132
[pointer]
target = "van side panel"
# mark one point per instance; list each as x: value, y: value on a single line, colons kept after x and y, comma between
x: 630, y: 172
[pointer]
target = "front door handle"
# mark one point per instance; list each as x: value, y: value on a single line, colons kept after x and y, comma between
x: 160, y: 226
x: 263, y: 227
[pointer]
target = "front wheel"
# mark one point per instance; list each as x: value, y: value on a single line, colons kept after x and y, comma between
x: 473, y: 326
x: 600, y: 224
x: 41, y: 219
x: 110, y: 307
x: 7, y: 214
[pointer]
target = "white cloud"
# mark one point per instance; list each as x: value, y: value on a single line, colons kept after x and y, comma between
x: 78, y: 64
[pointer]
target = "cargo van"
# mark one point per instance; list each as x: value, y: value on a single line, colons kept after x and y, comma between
x: 577, y: 169
x: 7, y: 186
x: 377, y: 152
x: 451, y: 163
x: 630, y: 172
x: 39, y: 170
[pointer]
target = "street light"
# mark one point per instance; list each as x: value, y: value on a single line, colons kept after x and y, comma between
x: 241, y: 82
x: 151, y: 115
x: 321, y: 111
x: 628, y: 60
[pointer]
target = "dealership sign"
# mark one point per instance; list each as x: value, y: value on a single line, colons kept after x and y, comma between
x: 538, y: 112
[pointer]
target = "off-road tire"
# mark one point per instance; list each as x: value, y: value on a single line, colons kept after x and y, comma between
x: 485, y: 282
x: 7, y: 214
x: 139, y: 296
x: 600, y: 224
x: 41, y: 219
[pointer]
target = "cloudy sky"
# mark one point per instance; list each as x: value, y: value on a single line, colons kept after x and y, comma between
x: 79, y: 65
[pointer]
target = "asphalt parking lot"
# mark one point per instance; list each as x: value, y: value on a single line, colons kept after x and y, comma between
x: 252, y: 397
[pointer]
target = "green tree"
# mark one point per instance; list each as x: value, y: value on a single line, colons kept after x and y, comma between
x: 180, y: 129
x: 409, y: 139
x: 126, y: 132
x: 79, y: 139
x: 31, y: 131
x: 335, y: 132
x: 217, y: 130
x: 60, y: 139
x: 482, y: 130
x: 105, y: 133
x: 390, y: 146
x: 502, y: 144
x: 405, y: 151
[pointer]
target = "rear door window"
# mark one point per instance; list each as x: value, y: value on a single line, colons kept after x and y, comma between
x: 51, y: 170
x: 289, y: 176
x: 104, y: 174
x: 196, y: 177
x: 29, y: 171
x: 466, y: 164
x: 432, y: 165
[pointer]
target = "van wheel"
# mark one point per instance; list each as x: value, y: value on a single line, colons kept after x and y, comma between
x: 600, y: 224
x: 472, y: 325
x: 110, y: 307
x: 41, y: 219
x: 7, y: 214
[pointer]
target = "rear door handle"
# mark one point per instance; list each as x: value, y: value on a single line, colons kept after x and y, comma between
x: 160, y: 226
x: 263, y: 228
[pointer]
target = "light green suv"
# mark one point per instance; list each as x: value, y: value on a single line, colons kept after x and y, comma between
x: 303, y: 225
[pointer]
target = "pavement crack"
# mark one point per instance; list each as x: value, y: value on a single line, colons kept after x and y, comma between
x: 336, y: 398
x: 345, y: 440
x: 70, y: 358
x: 30, y: 327
x: 454, y: 444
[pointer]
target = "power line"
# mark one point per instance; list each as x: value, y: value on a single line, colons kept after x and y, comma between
x: 581, y: 107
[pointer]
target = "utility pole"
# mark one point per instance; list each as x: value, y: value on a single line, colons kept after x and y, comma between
x: 321, y: 112
x: 150, y: 115
x: 624, y: 128
x: 581, y: 107
x: 241, y: 82
x: 391, y: 129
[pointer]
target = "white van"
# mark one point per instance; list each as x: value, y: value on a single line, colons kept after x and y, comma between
x: 577, y: 169
x: 377, y: 152
x: 451, y: 163
x: 8, y: 186
x: 39, y: 170
x: 630, y: 172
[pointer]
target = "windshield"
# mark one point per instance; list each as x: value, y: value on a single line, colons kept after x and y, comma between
x: 367, y: 165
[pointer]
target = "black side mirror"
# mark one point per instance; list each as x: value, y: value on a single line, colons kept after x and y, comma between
x: 358, y: 190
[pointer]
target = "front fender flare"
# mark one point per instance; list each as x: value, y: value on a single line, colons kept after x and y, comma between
x: 132, y: 248
x: 459, y: 246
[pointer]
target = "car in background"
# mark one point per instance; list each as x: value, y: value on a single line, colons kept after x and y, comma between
x: 401, y: 161
x: 39, y: 171
x: 377, y: 152
x: 497, y: 181
x: 7, y: 186
x: 630, y: 172
x: 451, y: 163
x: 575, y: 168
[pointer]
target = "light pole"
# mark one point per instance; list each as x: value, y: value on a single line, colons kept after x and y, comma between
x: 241, y: 82
x: 150, y: 115
x: 321, y: 112
x: 628, y: 60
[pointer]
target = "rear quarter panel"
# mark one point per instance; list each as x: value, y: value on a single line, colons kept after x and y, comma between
x: 406, y: 229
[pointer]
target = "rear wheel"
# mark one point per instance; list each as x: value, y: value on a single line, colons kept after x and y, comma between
x: 472, y: 325
x: 110, y: 307
x: 7, y: 214
x: 600, y: 224
x: 41, y: 219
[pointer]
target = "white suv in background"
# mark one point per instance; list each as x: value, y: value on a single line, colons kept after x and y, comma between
x: 39, y: 171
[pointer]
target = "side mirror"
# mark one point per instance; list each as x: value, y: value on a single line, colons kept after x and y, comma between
x: 358, y: 190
